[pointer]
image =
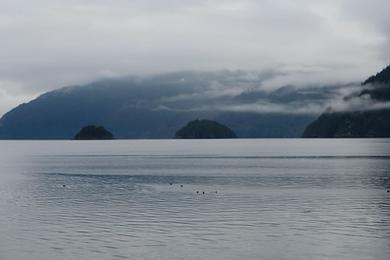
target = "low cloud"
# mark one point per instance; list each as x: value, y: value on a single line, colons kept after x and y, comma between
x: 240, y: 91
x: 47, y: 44
x: 231, y: 91
x: 358, y: 103
x: 228, y: 91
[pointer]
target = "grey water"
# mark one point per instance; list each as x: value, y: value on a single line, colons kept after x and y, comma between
x: 195, y: 199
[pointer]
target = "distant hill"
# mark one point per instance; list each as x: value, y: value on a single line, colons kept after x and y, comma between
x: 204, y: 129
x: 157, y: 106
x: 93, y: 132
x: 365, y: 123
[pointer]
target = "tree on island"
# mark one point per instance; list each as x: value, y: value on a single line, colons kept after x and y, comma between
x: 92, y: 132
x: 204, y: 129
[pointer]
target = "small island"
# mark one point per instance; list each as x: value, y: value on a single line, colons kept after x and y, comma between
x: 204, y: 129
x: 92, y: 132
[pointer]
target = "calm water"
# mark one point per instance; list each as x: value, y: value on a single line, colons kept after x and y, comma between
x: 264, y: 199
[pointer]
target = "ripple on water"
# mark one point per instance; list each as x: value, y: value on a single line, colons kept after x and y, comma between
x: 114, y: 206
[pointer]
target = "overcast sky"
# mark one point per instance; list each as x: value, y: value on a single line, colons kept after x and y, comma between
x: 47, y: 44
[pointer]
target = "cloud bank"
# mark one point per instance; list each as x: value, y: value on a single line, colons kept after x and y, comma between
x: 222, y: 91
x: 47, y: 44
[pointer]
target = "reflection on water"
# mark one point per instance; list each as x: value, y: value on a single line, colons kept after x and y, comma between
x: 270, y: 199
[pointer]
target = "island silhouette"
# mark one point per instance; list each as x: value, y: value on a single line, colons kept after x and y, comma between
x: 204, y: 129
x: 92, y: 132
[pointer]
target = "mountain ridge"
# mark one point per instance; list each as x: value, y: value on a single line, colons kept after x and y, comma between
x: 155, y: 107
x: 365, y: 123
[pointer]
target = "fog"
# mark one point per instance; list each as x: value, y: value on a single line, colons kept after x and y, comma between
x: 47, y: 44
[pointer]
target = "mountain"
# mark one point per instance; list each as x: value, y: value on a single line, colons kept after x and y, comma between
x: 381, y: 77
x: 156, y: 106
x: 93, y: 132
x: 367, y: 122
x: 204, y: 129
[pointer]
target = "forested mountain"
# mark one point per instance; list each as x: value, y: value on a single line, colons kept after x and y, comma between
x: 157, y: 106
x: 373, y: 121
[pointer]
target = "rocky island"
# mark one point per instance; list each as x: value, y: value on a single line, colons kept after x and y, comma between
x: 204, y: 129
x: 93, y: 132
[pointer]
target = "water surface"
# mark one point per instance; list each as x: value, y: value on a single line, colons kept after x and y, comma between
x: 263, y: 199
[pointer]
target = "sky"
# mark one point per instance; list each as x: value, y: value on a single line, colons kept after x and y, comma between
x: 48, y: 44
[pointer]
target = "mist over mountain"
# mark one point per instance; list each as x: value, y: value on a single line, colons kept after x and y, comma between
x: 368, y: 114
x: 156, y: 106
